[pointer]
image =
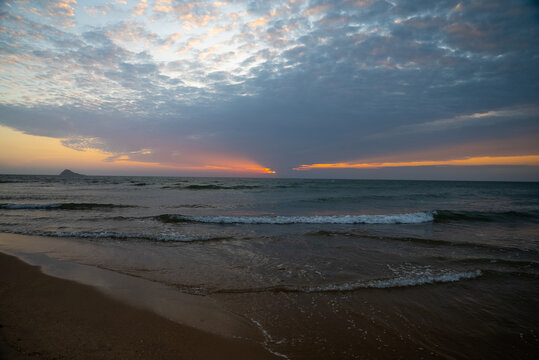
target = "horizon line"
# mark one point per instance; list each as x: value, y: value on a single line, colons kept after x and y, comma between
x: 281, y: 178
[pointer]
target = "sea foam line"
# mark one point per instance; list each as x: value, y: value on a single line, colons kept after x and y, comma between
x: 400, y: 281
x: 410, y: 218
x: 396, y: 282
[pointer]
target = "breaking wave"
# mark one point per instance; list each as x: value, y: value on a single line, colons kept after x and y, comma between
x: 411, y: 218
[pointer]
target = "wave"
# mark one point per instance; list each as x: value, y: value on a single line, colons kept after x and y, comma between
x: 411, y: 218
x: 484, y: 216
x: 212, y: 187
x: 511, y: 263
x: 61, y: 206
x: 436, y: 216
x: 423, y: 241
x: 193, y: 206
x: 123, y: 236
x: 396, y: 282
x: 374, y: 197
x: 403, y: 281
x: 139, y: 184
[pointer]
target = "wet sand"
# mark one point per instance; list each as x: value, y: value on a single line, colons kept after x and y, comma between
x: 50, y: 318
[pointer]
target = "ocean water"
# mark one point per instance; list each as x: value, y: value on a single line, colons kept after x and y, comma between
x: 343, y: 269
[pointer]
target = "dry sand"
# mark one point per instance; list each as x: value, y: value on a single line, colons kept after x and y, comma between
x: 49, y: 318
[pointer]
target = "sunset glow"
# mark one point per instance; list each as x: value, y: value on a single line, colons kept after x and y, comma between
x: 529, y: 160
x: 40, y: 152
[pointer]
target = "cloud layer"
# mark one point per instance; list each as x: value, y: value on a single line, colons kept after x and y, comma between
x: 274, y: 84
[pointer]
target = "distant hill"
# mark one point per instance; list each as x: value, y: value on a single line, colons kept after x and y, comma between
x: 69, y: 173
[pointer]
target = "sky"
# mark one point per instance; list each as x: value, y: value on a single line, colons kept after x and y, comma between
x: 401, y: 89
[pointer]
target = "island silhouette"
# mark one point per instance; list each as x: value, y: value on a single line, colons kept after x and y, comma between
x: 69, y: 173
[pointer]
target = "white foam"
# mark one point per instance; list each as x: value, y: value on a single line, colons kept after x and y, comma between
x: 268, y: 339
x: 401, y: 281
x: 410, y: 218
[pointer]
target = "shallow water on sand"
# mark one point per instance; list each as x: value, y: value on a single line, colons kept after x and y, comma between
x: 322, y: 268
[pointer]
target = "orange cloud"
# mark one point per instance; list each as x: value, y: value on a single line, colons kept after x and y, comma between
x: 61, y: 11
x: 140, y: 8
x: 66, y: 8
x: 170, y: 40
x: 365, y: 3
x: 191, y: 21
x: 188, y: 46
x: 317, y: 9
x: 258, y: 22
x: 216, y: 31
x: 532, y: 160
x: 162, y: 8
x: 207, y: 52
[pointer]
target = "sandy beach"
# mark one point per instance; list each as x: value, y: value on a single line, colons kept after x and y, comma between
x: 50, y: 318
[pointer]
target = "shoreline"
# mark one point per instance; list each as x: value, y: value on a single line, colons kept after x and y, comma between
x: 47, y: 317
x: 199, y: 312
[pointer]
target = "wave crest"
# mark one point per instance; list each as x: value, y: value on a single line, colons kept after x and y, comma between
x: 410, y: 218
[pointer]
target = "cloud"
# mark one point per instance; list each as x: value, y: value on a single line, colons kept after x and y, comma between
x: 322, y: 8
x: 288, y: 83
x: 98, y: 10
x: 82, y: 143
x: 521, y: 117
x: 163, y: 6
x: 140, y: 8
x: 60, y: 12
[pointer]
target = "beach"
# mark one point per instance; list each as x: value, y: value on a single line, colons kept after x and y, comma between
x: 49, y: 318
x: 269, y: 268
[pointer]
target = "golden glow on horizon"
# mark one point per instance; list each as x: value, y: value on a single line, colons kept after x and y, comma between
x: 264, y: 170
x: 23, y: 151
x: 470, y: 161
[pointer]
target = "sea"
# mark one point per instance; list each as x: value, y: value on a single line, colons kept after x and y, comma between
x: 321, y: 269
